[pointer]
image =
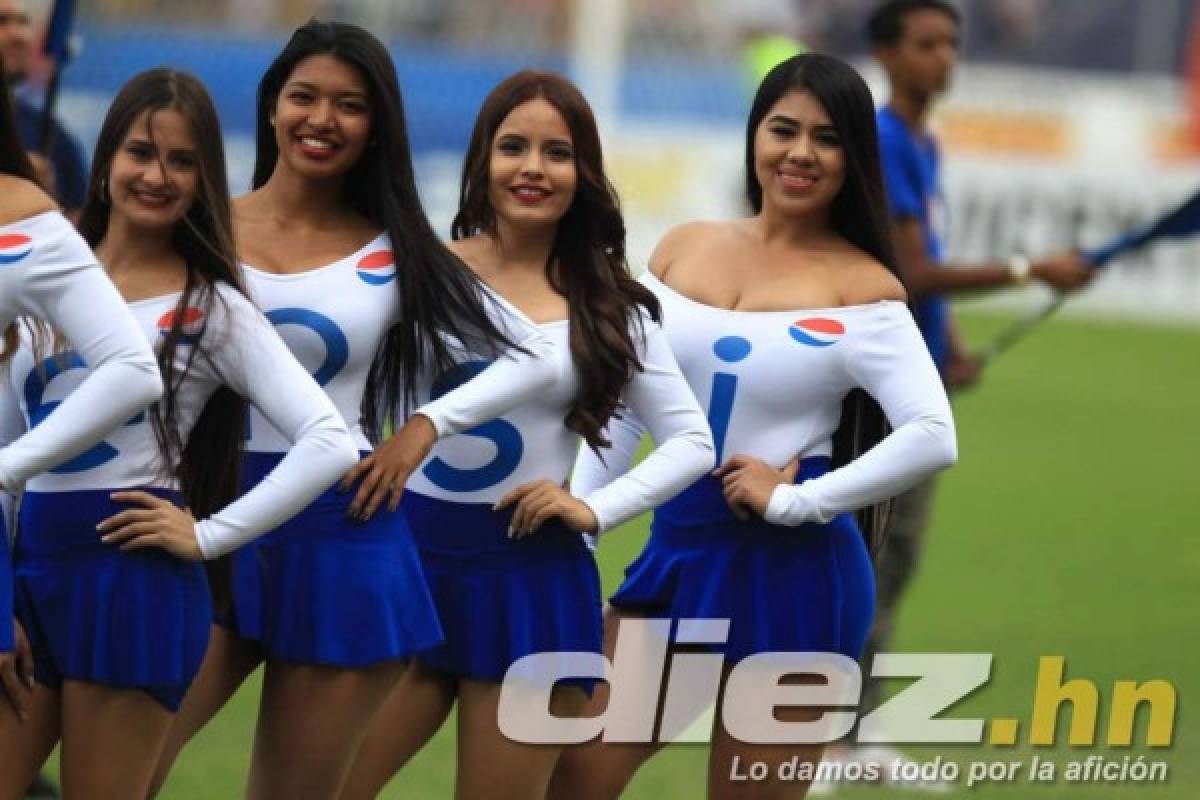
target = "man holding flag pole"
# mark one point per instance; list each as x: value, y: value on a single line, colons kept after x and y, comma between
x: 917, y: 43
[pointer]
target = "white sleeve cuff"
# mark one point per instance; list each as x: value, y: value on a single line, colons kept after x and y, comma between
x: 204, y: 540
x: 438, y: 418
x: 790, y: 505
x: 7, y: 480
x: 603, y: 518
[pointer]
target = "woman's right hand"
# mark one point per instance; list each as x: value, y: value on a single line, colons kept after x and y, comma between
x: 382, y: 474
x: 16, y: 674
x: 742, y: 509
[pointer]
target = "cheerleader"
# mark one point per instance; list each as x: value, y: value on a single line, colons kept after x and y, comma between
x: 109, y: 588
x: 776, y: 320
x: 339, y: 253
x: 498, y: 533
x: 48, y: 272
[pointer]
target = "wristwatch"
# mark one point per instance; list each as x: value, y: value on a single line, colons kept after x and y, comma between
x: 1020, y: 268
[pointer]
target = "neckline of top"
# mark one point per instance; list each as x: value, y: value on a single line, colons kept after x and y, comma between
x: 860, y: 307
x: 288, y: 276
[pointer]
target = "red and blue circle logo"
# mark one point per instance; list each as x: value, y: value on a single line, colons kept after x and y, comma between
x: 14, y: 247
x: 191, y: 328
x: 377, y: 268
x: 817, y: 331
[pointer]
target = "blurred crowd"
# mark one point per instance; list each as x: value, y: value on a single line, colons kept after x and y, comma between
x: 1075, y: 34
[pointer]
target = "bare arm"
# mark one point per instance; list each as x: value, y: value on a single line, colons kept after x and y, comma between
x: 925, y: 278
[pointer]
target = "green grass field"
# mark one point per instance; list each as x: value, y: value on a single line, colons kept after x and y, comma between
x: 1068, y: 528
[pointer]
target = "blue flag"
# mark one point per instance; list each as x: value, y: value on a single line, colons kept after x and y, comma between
x: 58, y: 31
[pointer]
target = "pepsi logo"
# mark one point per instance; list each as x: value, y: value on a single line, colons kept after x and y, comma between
x: 191, y: 328
x: 14, y: 247
x: 377, y: 268
x: 817, y: 331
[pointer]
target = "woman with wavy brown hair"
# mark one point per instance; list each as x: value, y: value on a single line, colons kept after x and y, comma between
x: 499, y: 534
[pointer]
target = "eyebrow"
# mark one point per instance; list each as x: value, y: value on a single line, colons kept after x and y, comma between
x: 314, y: 88
x: 515, y: 135
x: 788, y: 120
x: 148, y: 141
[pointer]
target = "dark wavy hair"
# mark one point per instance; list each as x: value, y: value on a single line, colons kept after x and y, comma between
x: 440, y: 297
x: 207, y: 464
x: 13, y: 161
x: 587, y: 262
x: 858, y: 215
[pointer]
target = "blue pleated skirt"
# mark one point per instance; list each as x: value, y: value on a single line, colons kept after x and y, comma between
x: 137, y: 619
x: 500, y: 599
x: 325, y: 589
x: 804, y: 589
x: 6, y: 590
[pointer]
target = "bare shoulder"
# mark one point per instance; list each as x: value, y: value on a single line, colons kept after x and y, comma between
x: 686, y: 238
x: 22, y: 199
x: 474, y: 251
x: 868, y: 281
x: 467, y: 249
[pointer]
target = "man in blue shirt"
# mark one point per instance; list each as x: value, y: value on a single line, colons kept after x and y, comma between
x: 917, y: 42
x: 63, y: 169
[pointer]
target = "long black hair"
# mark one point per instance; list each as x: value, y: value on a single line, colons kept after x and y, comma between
x: 858, y: 214
x: 440, y: 297
x: 587, y: 259
x: 207, y: 463
x: 13, y: 161
x: 13, y: 158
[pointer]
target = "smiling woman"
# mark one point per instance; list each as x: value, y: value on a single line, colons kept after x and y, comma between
x: 500, y: 541
x: 785, y: 322
x: 153, y: 176
x: 337, y: 248
x: 799, y: 121
x: 324, y: 115
x: 159, y: 494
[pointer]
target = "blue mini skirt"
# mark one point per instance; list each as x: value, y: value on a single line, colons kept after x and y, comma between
x: 500, y: 599
x: 137, y: 619
x: 804, y: 589
x: 325, y: 589
x: 6, y: 591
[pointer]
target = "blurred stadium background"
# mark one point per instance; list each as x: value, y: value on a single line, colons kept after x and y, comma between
x: 1069, y: 527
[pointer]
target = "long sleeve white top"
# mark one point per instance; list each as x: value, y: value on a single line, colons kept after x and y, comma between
x: 48, y: 272
x: 238, y: 349
x: 531, y: 442
x: 774, y: 382
x: 333, y: 319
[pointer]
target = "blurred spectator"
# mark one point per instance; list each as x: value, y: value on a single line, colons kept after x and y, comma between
x: 63, y: 170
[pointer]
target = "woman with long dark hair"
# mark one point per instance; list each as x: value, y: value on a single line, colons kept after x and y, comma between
x: 47, y: 272
x: 499, y: 537
x: 338, y: 251
x: 777, y: 321
x: 108, y: 587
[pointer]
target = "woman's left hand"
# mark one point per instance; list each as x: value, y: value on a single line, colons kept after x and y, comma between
x: 156, y: 522
x: 385, y: 471
x: 749, y: 482
x: 539, y: 501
